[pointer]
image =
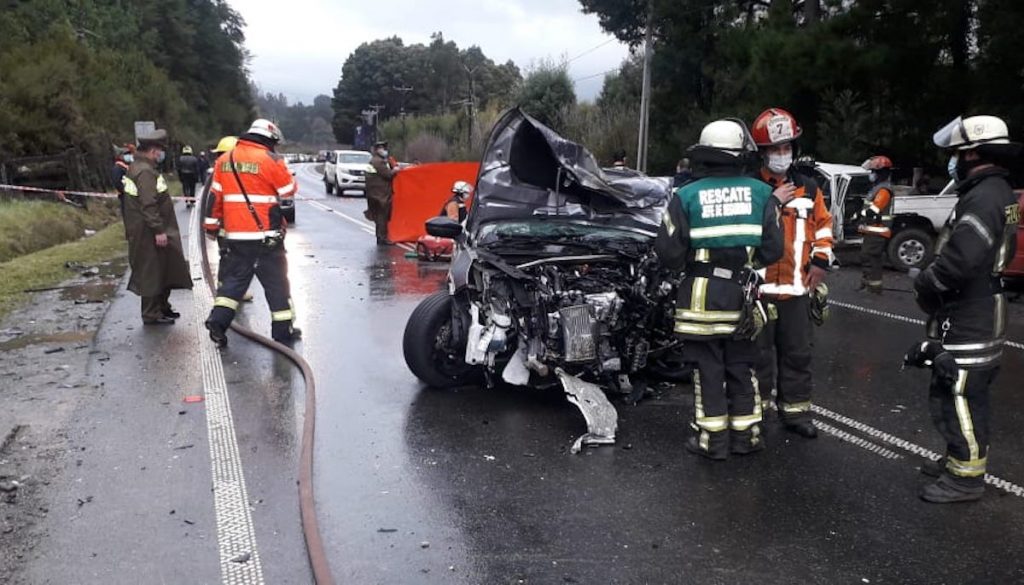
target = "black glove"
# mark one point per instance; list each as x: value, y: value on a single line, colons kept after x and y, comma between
x: 921, y: 354
x: 925, y: 354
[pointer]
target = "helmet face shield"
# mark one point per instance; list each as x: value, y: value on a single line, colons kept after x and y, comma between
x: 951, y: 135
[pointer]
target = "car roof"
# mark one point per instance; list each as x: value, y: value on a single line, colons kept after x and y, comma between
x: 835, y: 169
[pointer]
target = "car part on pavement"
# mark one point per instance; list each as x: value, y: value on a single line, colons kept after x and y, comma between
x: 601, y: 417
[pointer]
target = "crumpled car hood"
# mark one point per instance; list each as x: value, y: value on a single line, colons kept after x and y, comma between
x: 530, y: 172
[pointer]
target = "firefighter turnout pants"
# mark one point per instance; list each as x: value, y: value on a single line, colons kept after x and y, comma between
x: 239, y: 262
x: 961, y: 414
x: 784, y: 363
x: 725, y: 396
x: 872, y: 257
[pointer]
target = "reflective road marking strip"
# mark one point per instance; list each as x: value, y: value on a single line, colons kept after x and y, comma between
x: 909, y: 447
x: 895, y: 317
x: 858, y: 441
x: 236, y: 536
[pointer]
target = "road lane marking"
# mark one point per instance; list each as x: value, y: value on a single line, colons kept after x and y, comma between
x: 236, y: 536
x: 901, y: 318
x: 912, y: 448
x: 858, y: 441
x: 366, y: 227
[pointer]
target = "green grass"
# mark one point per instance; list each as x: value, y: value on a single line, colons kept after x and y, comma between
x: 46, y: 268
x: 29, y: 226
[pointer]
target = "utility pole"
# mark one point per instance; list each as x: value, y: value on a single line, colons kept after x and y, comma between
x: 404, y: 91
x: 645, y: 96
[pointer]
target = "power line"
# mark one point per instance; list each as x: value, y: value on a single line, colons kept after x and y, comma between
x: 595, y: 75
x: 591, y: 50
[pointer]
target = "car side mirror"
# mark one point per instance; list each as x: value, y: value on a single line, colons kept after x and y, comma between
x: 444, y: 227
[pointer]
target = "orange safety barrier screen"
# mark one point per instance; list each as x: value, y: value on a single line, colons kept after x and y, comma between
x: 419, y: 193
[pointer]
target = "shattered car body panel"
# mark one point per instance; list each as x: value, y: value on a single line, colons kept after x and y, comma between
x: 555, y: 280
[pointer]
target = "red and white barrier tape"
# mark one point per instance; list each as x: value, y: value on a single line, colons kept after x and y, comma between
x: 63, y: 193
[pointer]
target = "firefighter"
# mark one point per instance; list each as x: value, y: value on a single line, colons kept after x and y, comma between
x: 717, y: 230
x: 379, y: 192
x: 785, y: 360
x: 876, y: 226
x: 455, y: 207
x: 188, y: 174
x: 620, y: 160
x: 962, y: 294
x: 154, y: 241
x: 248, y: 185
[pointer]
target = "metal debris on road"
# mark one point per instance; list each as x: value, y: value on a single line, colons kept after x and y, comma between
x: 601, y: 416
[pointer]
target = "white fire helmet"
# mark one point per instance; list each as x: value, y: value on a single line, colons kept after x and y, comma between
x: 728, y: 135
x: 267, y: 129
x: 968, y: 133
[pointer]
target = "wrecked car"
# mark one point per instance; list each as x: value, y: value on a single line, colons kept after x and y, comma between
x: 553, y: 280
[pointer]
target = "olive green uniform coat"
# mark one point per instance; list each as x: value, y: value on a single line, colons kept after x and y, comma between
x: 147, y: 213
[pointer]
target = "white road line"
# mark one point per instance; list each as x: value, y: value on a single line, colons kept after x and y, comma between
x: 895, y: 317
x: 858, y: 441
x: 909, y: 447
x: 366, y: 227
x: 236, y: 536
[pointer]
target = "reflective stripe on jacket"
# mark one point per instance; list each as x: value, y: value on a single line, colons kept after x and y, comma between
x: 266, y: 179
x: 880, y: 202
x: 807, y: 225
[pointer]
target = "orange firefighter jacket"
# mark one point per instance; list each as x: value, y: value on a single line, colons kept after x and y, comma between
x: 880, y: 203
x: 807, y: 227
x: 267, y: 181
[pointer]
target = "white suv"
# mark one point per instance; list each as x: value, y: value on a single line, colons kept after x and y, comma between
x: 345, y: 172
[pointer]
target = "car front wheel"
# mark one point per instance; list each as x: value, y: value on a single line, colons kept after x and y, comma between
x: 911, y: 248
x: 427, y: 345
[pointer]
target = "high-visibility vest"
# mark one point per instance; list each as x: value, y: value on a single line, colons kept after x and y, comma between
x: 725, y: 212
x: 266, y: 179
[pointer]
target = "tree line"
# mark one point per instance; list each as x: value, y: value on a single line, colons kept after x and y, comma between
x: 863, y: 77
x: 78, y: 73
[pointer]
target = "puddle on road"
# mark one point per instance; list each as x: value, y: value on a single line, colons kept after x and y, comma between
x: 38, y: 338
x: 90, y: 292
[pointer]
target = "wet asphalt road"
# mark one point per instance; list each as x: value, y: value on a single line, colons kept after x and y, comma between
x: 477, y: 486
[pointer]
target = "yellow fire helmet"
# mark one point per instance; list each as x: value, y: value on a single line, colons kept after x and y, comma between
x: 227, y: 143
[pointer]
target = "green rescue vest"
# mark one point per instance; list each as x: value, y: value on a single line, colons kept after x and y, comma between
x: 725, y: 212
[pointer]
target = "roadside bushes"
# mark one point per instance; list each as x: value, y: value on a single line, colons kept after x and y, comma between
x: 29, y: 226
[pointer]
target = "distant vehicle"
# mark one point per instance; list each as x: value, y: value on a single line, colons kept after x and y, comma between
x: 917, y: 217
x: 345, y: 172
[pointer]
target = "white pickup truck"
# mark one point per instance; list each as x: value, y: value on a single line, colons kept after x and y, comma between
x: 345, y: 172
x: 917, y: 217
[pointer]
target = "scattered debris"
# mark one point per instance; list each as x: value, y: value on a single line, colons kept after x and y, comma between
x: 242, y: 558
x: 53, y: 350
x: 183, y: 447
x: 424, y: 544
x: 9, y: 485
x: 86, y: 500
x: 387, y: 530
x: 192, y: 398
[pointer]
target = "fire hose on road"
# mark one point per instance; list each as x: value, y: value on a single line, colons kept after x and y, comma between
x: 307, y: 504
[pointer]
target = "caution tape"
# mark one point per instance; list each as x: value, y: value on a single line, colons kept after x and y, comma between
x: 63, y: 193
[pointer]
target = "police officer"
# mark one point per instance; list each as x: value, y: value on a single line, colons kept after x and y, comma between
x: 379, y: 193
x: 154, y: 241
x: 876, y: 226
x: 784, y: 363
x: 962, y: 294
x: 717, y: 230
x: 248, y: 185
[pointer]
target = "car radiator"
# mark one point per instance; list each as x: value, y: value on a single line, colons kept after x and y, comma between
x: 578, y: 333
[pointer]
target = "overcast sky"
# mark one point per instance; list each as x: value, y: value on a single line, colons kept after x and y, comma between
x: 299, y: 46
